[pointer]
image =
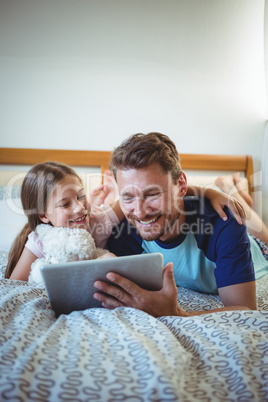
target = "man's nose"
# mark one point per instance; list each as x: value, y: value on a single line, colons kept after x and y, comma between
x: 139, y: 207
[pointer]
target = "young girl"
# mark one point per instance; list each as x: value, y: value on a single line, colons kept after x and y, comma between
x: 52, y: 193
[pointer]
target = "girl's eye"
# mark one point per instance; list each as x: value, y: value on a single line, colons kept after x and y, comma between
x: 81, y: 197
x: 64, y: 205
x: 128, y: 199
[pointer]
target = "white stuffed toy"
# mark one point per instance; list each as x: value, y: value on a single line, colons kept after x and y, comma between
x: 62, y: 245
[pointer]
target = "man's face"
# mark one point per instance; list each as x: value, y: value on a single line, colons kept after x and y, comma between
x: 151, y: 201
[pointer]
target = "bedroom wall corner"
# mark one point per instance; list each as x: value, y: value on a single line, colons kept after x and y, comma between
x: 265, y: 176
x: 266, y: 51
x: 264, y: 170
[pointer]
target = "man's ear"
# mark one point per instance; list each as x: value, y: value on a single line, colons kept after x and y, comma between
x: 182, y: 182
x: 43, y: 218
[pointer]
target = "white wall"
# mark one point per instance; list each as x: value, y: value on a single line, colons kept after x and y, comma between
x: 85, y: 74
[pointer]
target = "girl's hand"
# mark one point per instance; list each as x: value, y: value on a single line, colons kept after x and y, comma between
x: 106, y: 255
x: 98, y: 196
x: 219, y: 200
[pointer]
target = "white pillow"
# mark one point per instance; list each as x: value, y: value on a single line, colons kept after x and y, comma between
x: 204, y: 181
x: 208, y: 181
x: 12, y: 220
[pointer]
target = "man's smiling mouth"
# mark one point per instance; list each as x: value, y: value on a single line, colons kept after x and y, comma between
x: 148, y: 221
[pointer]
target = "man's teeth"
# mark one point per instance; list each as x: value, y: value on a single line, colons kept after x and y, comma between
x: 148, y: 222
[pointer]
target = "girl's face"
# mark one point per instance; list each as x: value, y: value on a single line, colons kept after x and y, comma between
x: 67, y: 205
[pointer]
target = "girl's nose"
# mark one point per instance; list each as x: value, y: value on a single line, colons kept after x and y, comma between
x: 78, y: 206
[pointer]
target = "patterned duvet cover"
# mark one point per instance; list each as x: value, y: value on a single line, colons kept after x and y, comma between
x: 127, y: 355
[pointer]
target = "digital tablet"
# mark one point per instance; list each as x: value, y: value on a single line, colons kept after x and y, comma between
x: 70, y: 286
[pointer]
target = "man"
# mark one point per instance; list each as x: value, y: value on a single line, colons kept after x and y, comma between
x: 208, y: 254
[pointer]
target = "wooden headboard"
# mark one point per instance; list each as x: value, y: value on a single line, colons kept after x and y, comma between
x: 231, y: 163
x: 27, y: 156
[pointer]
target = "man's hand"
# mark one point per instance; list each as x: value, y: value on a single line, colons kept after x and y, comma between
x: 164, y: 302
x: 128, y: 294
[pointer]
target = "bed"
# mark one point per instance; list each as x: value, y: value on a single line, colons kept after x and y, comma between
x: 124, y: 354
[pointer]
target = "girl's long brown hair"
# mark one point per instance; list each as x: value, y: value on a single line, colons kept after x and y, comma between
x: 37, y: 186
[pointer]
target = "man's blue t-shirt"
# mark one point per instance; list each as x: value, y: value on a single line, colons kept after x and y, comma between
x: 208, y: 253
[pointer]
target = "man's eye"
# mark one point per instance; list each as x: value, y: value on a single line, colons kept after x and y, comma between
x: 153, y: 195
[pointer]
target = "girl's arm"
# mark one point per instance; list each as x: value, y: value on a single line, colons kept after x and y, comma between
x: 22, y: 270
x: 98, y: 196
x: 219, y: 200
x: 117, y: 209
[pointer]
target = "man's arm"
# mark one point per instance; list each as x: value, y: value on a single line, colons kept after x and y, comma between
x: 164, y: 302
x: 242, y: 294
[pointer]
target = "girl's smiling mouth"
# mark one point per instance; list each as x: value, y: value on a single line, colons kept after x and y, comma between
x: 79, y: 220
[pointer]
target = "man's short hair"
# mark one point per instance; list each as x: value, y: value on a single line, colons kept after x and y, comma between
x: 142, y: 150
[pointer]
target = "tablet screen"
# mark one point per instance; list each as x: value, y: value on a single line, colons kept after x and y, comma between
x: 70, y: 286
